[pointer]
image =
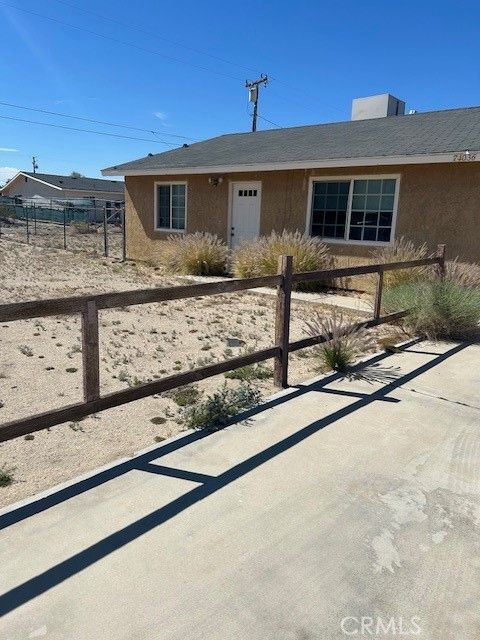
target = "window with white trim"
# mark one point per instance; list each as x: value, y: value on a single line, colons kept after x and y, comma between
x: 354, y: 210
x: 170, y: 206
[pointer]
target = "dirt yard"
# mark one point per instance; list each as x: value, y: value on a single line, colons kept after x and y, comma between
x: 41, y: 362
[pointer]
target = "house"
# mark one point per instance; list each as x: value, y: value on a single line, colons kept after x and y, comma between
x: 357, y: 185
x: 42, y: 187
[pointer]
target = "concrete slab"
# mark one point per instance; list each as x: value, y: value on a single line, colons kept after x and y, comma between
x: 341, y: 500
x: 352, y: 303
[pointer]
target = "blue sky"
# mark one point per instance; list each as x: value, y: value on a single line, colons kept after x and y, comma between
x: 319, y: 54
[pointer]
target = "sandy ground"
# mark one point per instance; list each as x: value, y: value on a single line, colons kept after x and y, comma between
x: 41, y: 366
x: 45, y: 234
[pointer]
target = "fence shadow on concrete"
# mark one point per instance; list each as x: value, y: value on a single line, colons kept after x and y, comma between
x: 209, y: 484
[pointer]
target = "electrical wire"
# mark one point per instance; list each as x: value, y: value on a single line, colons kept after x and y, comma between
x: 110, y: 124
x: 269, y: 121
x: 122, y: 42
x: 101, y: 133
x: 139, y: 29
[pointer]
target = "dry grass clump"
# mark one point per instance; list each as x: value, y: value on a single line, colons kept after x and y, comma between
x: 463, y: 273
x: 437, y: 309
x: 343, y: 342
x: 82, y: 228
x: 402, y: 250
x: 198, y: 254
x: 260, y: 257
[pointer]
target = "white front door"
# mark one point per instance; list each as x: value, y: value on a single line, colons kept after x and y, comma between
x: 245, y: 219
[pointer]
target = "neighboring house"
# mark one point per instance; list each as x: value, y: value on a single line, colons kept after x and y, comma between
x: 41, y: 187
x: 357, y: 184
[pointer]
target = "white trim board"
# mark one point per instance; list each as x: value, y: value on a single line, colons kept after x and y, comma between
x: 25, y: 175
x: 376, y: 161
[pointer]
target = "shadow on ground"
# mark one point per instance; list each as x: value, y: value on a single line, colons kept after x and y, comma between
x: 372, y: 371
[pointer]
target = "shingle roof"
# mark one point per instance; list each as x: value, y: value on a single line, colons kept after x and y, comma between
x: 433, y: 132
x: 82, y: 184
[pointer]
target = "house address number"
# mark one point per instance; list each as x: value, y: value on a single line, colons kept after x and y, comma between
x: 464, y: 157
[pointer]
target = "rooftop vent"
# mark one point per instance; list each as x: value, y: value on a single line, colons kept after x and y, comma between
x: 379, y: 106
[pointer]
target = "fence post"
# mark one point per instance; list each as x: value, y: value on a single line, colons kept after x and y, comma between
x: 34, y: 219
x: 105, y: 239
x: 64, y: 228
x: 25, y: 209
x: 377, y: 309
x: 124, y: 234
x: 90, y: 352
x: 282, y: 321
x: 440, y: 255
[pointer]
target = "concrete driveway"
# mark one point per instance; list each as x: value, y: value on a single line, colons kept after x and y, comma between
x: 345, y: 508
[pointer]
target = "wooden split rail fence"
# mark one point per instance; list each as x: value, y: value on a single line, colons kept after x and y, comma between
x: 89, y: 306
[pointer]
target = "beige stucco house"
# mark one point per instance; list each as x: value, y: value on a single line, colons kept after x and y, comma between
x: 357, y: 185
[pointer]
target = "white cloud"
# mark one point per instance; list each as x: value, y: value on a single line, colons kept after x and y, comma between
x: 7, y: 149
x: 161, y: 115
x: 6, y: 173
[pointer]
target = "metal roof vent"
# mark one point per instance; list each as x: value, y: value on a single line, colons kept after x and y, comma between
x: 381, y: 106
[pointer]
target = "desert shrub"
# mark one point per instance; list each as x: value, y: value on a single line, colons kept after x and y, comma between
x: 82, y: 227
x: 184, y: 396
x: 260, y: 257
x: 402, y: 250
x: 436, y: 308
x: 199, y: 254
x: 463, y: 273
x: 344, y: 342
x: 250, y: 372
x: 6, y: 476
x: 217, y: 409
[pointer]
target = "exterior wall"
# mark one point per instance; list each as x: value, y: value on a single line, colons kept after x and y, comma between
x: 27, y: 188
x: 437, y: 203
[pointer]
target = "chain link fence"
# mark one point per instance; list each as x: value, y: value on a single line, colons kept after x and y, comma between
x: 89, y: 225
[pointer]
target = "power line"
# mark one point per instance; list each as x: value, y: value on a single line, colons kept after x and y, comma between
x: 122, y: 42
x: 100, y: 133
x: 110, y: 124
x: 134, y: 27
x: 269, y: 121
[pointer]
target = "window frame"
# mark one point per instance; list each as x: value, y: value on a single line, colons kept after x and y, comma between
x: 170, y: 183
x: 346, y: 240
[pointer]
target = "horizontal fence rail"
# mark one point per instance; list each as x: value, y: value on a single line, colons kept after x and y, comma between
x: 88, y: 307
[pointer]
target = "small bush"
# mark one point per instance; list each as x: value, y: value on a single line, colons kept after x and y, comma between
x: 463, y: 273
x: 402, y: 250
x: 344, y: 343
x: 250, y: 372
x: 217, y: 409
x: 437, y: 309
x: 82, y: 227
x: 6, y: 476
x: 199, y: 254
x: 184, y: 396
x: 260, y: 257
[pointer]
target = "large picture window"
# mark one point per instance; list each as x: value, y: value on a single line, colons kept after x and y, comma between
x: 354, y: 210
x: 170, y: 206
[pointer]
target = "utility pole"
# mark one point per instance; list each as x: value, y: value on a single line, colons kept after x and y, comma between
x: 34, y: 164
x: 253, y: 92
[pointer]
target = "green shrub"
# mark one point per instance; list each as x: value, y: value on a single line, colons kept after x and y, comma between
x: 184, y: 396
x: 6, y: 476
x: 402, y: 250
x: 344, y: 342
x: 250, y: 372
x: 463, y: 273
x: 436, y: 308
x: 217, y: 409
x: 260, y: 257
x: 199, y: 254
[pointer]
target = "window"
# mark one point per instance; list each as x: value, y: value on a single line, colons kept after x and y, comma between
x: 356, y: 210
x: 247, y: 193
x: 170, y: 206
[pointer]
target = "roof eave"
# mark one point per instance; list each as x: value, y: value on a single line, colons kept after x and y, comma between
x: 279, y: 166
